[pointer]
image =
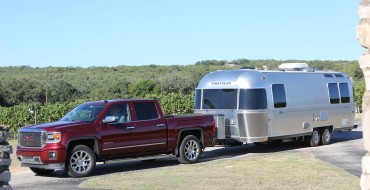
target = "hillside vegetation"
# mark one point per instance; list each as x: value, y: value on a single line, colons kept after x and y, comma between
x: 55, y: 90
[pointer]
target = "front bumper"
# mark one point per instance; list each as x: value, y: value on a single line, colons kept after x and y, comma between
x: 42, y: 158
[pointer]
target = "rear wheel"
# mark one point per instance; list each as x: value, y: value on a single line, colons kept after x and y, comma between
x: 190, y: 150
x: 314, y: 139
x: 81, y: 161
x: 40, y: 171
x: 326, y: 136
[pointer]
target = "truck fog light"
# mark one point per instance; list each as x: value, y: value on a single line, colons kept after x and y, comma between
x: 52, y: 155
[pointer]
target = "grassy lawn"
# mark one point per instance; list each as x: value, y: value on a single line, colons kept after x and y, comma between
x: 289, y: 170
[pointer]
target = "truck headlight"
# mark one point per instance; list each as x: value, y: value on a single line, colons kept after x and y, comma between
x: 53, y: 137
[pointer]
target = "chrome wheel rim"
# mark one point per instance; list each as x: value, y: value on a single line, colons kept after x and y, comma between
x: 315, y: 137
x: 326, y: 135
x: 80, y: 161
x: 191, y: 150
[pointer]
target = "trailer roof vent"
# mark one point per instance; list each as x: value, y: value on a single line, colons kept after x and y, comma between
x: 295, y: 67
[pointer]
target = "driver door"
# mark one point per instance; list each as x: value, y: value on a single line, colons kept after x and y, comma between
x: 117, y: 137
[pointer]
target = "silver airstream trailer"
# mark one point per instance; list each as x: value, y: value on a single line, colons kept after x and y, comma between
x: 297, y: 102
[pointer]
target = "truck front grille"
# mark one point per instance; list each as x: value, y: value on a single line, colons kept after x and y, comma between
x: 31, y: 139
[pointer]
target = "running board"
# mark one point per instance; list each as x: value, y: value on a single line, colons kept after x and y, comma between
x: 136, y: 159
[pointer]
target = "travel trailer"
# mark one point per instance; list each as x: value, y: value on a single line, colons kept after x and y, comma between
x: 295, y: 103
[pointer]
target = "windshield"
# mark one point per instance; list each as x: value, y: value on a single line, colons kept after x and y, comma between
x: 249, y: 99
x: 219, y: 98
x: 83, y: 113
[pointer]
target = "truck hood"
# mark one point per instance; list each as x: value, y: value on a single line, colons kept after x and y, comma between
x: 57, y: 126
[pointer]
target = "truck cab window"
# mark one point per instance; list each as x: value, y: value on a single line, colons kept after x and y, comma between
x: 333, y: 93
x: 121, y: 111
x: 146, y: 111
x: 344, y: 93
x: 278, y: 93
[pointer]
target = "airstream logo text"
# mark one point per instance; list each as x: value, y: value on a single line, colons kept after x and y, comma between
x: 221, y: 83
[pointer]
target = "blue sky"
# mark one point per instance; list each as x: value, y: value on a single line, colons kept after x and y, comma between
x: 85, y: 33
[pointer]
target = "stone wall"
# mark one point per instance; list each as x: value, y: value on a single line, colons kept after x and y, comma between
x: 5, y: 161
x: 363, y: 36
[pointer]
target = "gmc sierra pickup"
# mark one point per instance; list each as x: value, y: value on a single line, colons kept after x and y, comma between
x: 112, y: 131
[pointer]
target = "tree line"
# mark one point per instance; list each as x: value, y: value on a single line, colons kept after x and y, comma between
x: 25, y: 85
x: 56, y: 90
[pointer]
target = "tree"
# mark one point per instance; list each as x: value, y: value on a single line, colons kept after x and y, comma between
x: 62, y: 91
x: 358, y: 74
x: 359, y: 89
x: 143, y: 88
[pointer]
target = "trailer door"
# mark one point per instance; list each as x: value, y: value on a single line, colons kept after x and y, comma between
x: 280, y: 121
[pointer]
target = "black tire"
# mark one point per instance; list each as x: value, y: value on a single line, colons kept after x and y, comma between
x: 259, y: 143
x: 325, y: 136
x: 190, y: 150
x: 314, y: 139
x: 149, y: 160
x: 41, y: 172
x: 81, y: 161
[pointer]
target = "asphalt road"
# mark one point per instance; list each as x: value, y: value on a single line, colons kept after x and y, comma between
x: 345, y: 151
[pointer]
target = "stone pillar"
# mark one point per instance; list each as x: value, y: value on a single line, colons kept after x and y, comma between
x: 5, y: 161
x: 363, y: 36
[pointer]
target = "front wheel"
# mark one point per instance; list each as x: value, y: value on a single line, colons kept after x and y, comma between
x: 40, y: 171
x: 81, y: 161
x: 190, y: 150
x: 314, y: 139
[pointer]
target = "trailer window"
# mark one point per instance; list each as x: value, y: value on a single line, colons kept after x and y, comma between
x: 328, y: 75
x: 219, y: 98
x: 197, y: 98
x: 333, y: 93
x: 252, y: 99
x: 278, y: 93
x: 344, y: 92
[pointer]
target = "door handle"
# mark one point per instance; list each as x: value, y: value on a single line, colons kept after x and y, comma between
x: 130, y: 128
x: 281, y: 112
x: 160, y: 125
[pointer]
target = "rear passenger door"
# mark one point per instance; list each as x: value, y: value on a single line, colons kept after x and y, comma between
x: 150, y: 128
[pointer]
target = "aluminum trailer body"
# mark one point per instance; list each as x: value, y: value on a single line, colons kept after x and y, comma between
x: 252, y: 106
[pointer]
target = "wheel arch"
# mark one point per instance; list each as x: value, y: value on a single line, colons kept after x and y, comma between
x: 185, y: 132
x: 322, y: 128
x: 90, y: 142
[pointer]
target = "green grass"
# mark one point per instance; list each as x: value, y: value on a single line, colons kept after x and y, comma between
x: 291, y: 170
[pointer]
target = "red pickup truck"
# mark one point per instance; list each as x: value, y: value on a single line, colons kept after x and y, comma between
x: 112, y: 131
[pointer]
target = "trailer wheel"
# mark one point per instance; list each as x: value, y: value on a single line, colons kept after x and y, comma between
x: 41, y: 172
x: 190, y: 150
x: 81, y: 161
x: 326, y: 136
x: 314, y: 139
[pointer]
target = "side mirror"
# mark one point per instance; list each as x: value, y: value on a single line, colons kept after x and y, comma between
x: 110, y: 119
